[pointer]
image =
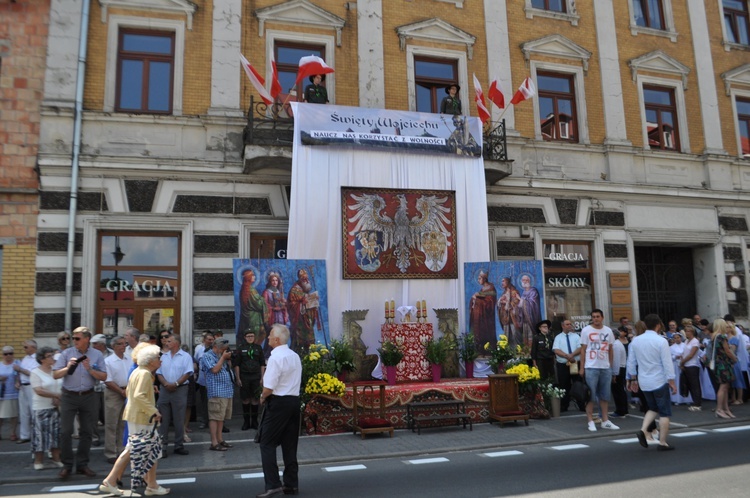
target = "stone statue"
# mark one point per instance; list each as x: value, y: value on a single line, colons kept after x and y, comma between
x: 363, y: 362
x: 448, y: 325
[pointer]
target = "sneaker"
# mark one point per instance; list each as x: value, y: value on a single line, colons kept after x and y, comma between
x: 592, y: 426
x: 609, y: 425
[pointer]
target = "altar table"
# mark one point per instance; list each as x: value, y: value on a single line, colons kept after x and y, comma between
x: 411, y: 338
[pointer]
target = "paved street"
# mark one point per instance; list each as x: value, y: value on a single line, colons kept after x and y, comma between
x: 383, y: 457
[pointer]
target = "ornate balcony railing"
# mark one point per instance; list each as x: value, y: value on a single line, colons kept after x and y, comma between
x: 495, y: 142
x: 269, y: 125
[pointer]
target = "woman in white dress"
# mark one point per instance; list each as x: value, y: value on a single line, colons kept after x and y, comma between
x: 690, y: 364
x: 678, y: 349
x: 45, y: 424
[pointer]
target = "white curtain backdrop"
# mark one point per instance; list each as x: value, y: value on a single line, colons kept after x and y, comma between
x: 315, y: 224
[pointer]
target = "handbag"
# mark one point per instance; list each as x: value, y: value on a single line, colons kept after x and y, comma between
x: 712, y: 364
x: 580, y: 392
x: 573, y: 366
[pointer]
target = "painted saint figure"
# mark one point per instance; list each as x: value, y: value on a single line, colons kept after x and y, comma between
x: 303, y: 305
x: 482, y: 314
x: 275, y: 300
x: 253, y: 309
x: 531, y: 309
x: 510, y: 314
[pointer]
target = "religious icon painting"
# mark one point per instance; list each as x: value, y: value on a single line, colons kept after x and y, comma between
x: 286, y: 291
x: 398, y: 233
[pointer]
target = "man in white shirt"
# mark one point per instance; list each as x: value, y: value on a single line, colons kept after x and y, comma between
x: 597, y: 355
x: 26, y: 393
x: 567, y: 347
x: 118, y: 367
x: 281, y: 417
x: 176, y: 368
x: 131, y: 339
x: 650, y: 367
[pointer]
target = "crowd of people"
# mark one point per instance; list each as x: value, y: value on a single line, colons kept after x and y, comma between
x: 139, y: 387
x: 646, y: 365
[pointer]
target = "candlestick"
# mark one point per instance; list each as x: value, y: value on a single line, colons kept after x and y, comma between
x: 424, y: 310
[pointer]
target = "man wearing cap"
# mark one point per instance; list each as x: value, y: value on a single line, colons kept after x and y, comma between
x: 542, y: 353
x: 118, y: 366
x: 176, y: 367
x: 26, y: 393
x: 451, y: 104
x: 216, y: 369
x: 315, y: 93
x: 567, y: 346
x: 79, y: 378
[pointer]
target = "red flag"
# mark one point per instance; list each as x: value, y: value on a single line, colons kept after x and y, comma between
x: 484, y: 114
x: 275, y: 85
x: 495, y: 94
x: 310, y: 66
x: 525, y: 91
x: 257, y: 80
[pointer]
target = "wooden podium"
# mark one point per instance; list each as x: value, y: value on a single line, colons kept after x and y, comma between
x: 504, y: 399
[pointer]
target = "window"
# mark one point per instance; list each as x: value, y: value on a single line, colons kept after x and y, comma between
x: 743, y: 120
x: 431, y: 77
x: 553, y: 5
x: 557, y: 107
x: 648, y: 13
x: 145, y: 72
x: 736, y: 21
x: 661, y: 118
x: 287, y: 56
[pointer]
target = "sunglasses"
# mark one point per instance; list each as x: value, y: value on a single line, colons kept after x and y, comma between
x: 161, y: 354
x: 65, y: 338
x: 164, y: 336
x: 77, y: 338
x: 7, y: 354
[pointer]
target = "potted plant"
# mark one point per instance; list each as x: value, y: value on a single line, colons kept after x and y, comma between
x: 500, y: 354
x: 553, y: 395
x: 467, y: 351
x: 342, y: 356
x: 436, y: 352
x: 390, y: 355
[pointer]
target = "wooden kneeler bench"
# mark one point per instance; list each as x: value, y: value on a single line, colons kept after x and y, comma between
x: 420, y: 414
x: 368, y: 419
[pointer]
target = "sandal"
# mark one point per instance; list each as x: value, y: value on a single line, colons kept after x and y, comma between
x: 218, y: 447
x: 13, y: 437
x: 187, y: 439
x: 226, y: 445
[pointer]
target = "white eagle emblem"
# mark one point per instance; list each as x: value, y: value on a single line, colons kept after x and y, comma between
x: 424, y: 238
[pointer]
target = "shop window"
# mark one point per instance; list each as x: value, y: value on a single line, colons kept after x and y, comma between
x: 145, y: 71
x: 557, y: 106
x: 287, y: 55
x: 431, y: 77
x: 743, y: 123
x: 661, y: 118
x: 736, y: 21
x: 568, y: 283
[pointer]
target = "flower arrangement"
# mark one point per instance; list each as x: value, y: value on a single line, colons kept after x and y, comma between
x: 467, y: 347
x: 437, y: 350
x: 500, y: 354
x: 323, y: 383
x: 390, y: 354
x: 316, y: 360
x: 528, y: 377
x: 550, y: 391
x: 342, y: 356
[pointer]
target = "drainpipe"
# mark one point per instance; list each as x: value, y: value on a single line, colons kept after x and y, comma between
x: 74, y: 165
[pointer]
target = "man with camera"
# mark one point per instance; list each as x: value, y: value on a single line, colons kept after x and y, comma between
x: 215, y: 365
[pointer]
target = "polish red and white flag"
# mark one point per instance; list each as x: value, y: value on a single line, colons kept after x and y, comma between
x: 311, y: 65
x: 524, y: 92
x: 495, y: 94
x: 275, y: 85
x: 484, y: 114
x: 257, y: 80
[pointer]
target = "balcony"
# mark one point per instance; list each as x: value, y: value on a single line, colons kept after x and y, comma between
x: 269, y: 134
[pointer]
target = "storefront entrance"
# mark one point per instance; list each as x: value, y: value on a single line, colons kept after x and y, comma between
x: 666, y: 283
x: 139, y: 280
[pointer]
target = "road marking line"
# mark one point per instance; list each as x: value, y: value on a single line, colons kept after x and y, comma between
x: 502, y: 453
x: 81, y: 487
x: 254, y: 475
x: 343, y: 468
x: 182, y: 480
x: 626, y: 441
x: 428, y: 460
x: 566, y: 447
x: 733, y: 429
x: 689, y: 434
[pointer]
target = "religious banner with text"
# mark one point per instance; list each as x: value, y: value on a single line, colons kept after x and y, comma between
x: 414, y: 131
x: 398, y: 233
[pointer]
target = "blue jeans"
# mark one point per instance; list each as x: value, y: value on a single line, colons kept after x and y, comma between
x: 599, y: 381
x: 660, y: 400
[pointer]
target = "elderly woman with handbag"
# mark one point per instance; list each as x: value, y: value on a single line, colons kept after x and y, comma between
x: 45, y: 402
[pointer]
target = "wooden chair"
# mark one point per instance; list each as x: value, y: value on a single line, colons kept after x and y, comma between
x: 368, y: 419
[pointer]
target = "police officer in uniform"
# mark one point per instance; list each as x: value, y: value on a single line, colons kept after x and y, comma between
x: 249, y: 366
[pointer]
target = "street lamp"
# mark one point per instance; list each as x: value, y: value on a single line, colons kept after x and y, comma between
x: 118, y: 255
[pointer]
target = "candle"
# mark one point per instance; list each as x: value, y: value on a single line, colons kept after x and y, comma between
x: 386, y: 308
x: 393, y: 308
